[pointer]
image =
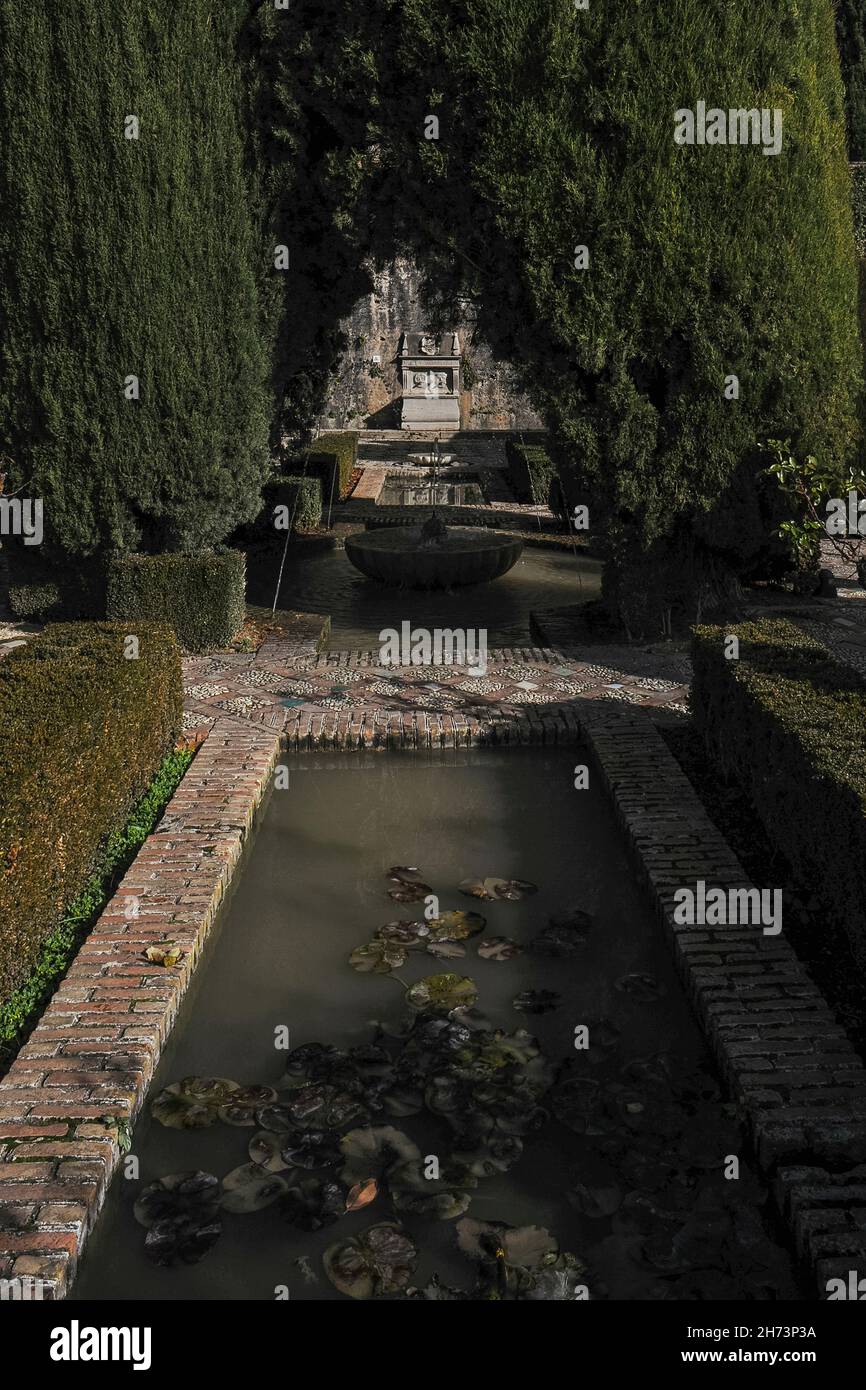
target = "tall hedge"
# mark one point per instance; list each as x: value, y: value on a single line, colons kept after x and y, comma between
x: 851, y: 37
x: 85, y: 726
x: 556, y: 129
x: 122, y: 257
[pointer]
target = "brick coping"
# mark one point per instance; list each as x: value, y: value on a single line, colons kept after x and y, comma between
x: 85, y: 1071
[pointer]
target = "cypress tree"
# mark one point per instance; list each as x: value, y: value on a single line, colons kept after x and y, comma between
x: 127, y: 258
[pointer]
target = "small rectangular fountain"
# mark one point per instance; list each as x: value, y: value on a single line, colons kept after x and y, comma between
x: 405, y: 492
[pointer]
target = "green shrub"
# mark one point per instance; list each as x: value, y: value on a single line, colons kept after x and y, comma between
x: 59, y: 948
x: 530, y: 472
x: 35, y: 603
x: 303, y: 498
x: 201, y: 596
x: 858, y: 197
x: 788, y: 724
x: 851, y: 38
x: 84, y: 730
x: 332, y: 459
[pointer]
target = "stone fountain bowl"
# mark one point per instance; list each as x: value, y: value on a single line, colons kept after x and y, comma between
x: 466, y: 555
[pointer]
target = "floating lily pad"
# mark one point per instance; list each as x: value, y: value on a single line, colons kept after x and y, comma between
x: 456, y: 925
x: 645, y: 988
x: 560, y: 1282
x: 526, y: 1247
x: 404, y: 873
x: 245, y: 1101
x: 379, y: 1261
x: 371, y: 1153
x: 251, y: 1188
x: 181, y: 1213
x: 193, y: 1103
x: 439, y: 1199
x: 498, y: 948
x: 410, y: 888
x: 322, y: 1106
x: 312, y: 1148
x: 536, y: 1001
x: 412, y: 936
x: 493, y: 1155
x: 377, y: 958
x: 276, y: 1118
x: 265, y: 1148
x: 442, y: 993
x: 497, y: 889
x: 446, y: 950
x: 314, y: 1203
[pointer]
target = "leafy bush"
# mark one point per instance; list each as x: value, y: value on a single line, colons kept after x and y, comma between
x: 858, y: 196
x: 84, y: 730
x: 788, y: 724
x: 60, y: 946
x: 201, y: 596
x: 332, y: 459
x: 530, y: 472
x: 303, y: 498
x: 35, y: 603
x: 851, y: 38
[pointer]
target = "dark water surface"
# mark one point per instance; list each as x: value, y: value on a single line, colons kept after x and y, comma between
x: 312, y: 888
x: 324, y: 581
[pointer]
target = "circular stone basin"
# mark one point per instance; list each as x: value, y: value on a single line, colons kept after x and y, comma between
x: 398, y: 556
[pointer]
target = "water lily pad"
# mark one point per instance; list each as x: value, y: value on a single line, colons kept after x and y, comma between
x: 497, y: 889
x: 498, y: 948
x: 442, y: 993
x: 446, y: 950
x: 193, y: 1103
x: 379, y: 1261
x: 560, y: 1282
x: 456, y: 925
x: 312, y: 1148
x: 536, y: 1001
x: 251, y: 1188
x: 314, y: 1203
x: 490, y: 1156
x: 377, y: 957
x: 277, y: 1119
x: 265, y: 1148
x: 245, y: 1101
x: 178, y: 1194
x: 408, y: 892
x: 373, y: 1152
x: 404, y: 873
x: 439, y: 1199
x: 526, y: 1247
x: 181, y: 1239
x: 322, y: 1106
x: 412, y: 936
x: 645, y: 988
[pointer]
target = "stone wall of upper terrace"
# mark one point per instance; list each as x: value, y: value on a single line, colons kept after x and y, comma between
x: 364, y: 391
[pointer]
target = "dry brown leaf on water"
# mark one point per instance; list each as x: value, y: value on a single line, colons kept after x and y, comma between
x: 362, y: 1194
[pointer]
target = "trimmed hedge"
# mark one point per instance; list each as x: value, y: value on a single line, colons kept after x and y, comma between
x: 530, y: 472
x: 35, y: 602
x: 858, y: 199
x: 84, y: 730
x: 332, y: 459
x: 203, y: 596
x: 788, y: 724
x: 303, y: 497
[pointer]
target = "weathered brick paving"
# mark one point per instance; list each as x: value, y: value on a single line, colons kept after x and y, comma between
x: 87, y: 1065
x: 89, y: 1062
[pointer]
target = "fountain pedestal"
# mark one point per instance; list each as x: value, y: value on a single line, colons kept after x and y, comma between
x: 430, y: 375
x: 422, y: 557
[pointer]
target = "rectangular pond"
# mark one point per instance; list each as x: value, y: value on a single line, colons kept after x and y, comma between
x: 600, y: 1123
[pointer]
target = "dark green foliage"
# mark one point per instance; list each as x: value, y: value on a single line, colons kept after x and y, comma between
x: 201, y: 596
x: 60, y: 947
x: 35, y: 603
x: 332, y: 458
x: 557, y: 130
x: 302, y: 496
x: 127, y: 257
x: 530, y: 472
x: 851, y: 38
x: 788, y: 724
x: 84, y: 731
x: 858, y: 193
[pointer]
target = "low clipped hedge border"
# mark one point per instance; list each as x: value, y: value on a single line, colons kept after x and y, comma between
x: 36, y: 603
x: 332, y: 459
x: 85, y: 727
x: 303, y: 497
x: 20, y: 1011
x: 530, y: 472
x: 788, y: 724
x: 202, y: 596
x: 858, y: 198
